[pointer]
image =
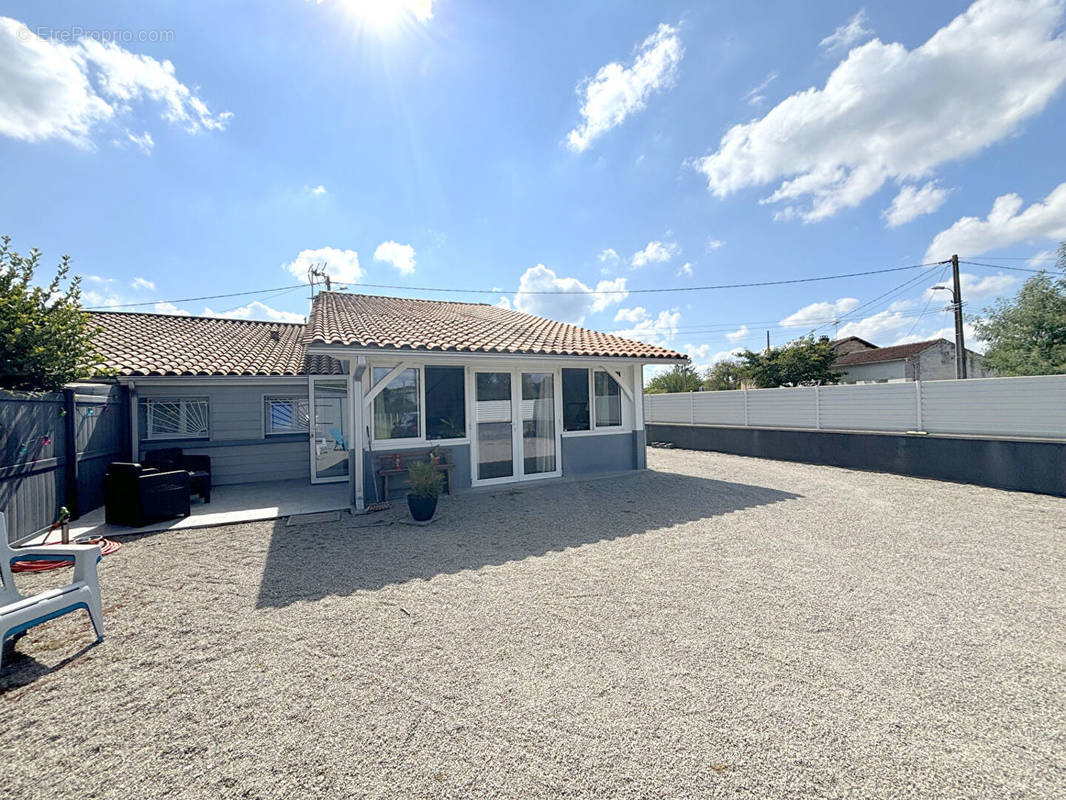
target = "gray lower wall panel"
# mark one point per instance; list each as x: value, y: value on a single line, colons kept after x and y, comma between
x: 1000, y: 463
x: 588, y: 455
x: 249, y: 463
x: 459, y: 454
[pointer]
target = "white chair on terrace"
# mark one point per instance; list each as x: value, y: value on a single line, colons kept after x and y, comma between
x: 18, y: 614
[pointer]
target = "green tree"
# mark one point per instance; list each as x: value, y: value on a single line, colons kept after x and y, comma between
x: 1026, y: 335
x: 726, y: 374
x: 45, y: 337
x: 803, y: 362
x: 682, y: 378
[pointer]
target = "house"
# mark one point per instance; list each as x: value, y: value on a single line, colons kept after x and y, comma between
x: 513, y: 397
x: 861, y: 361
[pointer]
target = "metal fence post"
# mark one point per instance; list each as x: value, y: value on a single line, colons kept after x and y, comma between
x: 691, y: 410
x: 746, y: 423
x: 817, y: 408
x: 70, y: 456
x: 918, y: 403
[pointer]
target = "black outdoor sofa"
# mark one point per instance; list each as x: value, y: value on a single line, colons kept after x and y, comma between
x: 158, y: 489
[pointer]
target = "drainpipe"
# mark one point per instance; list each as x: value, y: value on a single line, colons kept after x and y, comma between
x: 135, y: 434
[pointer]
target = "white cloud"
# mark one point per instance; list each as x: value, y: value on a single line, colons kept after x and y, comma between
x: 617, y: 91
x: 819, y: 313
x: 877, y: 326
x: 173, y: 310
x: 49, y: 89
x: 341, y: 265
x: 886, y: 112
x: 570, y: 301
x: 685, y: 270
x: 713, y: 244
x: 97, y: 279
x: 608, y: 256
x: 756, y: 96
x: 318, y: 190
x: 852, y: 31
x: 646, y: 328
x: 654, y: 253
x: 257, y: 310
x: 401, y: 256
x: 142, y: 284
x: 739, y: 334
x: 1005, y: 225
x: 1042, y: 259
x: 145, y: 142
x: 913, y: 201
x: 704, y: 356
x: 975, y: 287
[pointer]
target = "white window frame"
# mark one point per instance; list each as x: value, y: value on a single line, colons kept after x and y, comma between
x: 419, y: 442
x: 284, y: 398
x: 596, y: 426
x: 150, y: 402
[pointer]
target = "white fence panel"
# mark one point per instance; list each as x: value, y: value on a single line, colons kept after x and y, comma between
x: 1027, y: 407
x: 782, y: 408
x: 668, y: 407
x: 869, y: 407
x: 718, y: 408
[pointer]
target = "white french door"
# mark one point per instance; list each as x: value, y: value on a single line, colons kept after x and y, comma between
x: 328, y: 429
x: 516, y: 425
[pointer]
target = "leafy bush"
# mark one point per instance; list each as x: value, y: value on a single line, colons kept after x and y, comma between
x: 426, y: 481
x: 45, y: 337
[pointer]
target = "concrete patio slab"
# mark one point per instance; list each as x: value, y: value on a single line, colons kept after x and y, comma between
x: 248, y: 502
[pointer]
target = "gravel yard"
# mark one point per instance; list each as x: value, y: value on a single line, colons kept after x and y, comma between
x: 718, y: 626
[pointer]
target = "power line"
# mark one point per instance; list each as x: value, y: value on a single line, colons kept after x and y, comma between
x: 194, y: 299
x: 1001, y: 266
x: 710, y: 287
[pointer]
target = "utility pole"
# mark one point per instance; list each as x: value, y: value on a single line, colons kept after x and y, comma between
x: 956, y: 300
x: 768, y: 342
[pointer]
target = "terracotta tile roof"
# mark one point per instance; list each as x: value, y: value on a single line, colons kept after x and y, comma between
x: 403, y: 324
x: 878, y: 354
x: 160, y: 344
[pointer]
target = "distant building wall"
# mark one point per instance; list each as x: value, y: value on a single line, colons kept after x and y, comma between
x: 878, y: 372
x: 937, y: 363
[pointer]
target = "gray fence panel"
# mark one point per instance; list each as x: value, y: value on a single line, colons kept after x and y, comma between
x: 782, y: 408
x: 34, y: 446
x: 869, y: 407
x: 1029, y: 407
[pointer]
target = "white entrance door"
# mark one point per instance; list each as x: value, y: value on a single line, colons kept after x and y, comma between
x: 329, y: 429
x: 516, y: 430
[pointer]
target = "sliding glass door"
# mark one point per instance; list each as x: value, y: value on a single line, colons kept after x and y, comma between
x: 538, y: 423
x: 329, y: 430
x: 516, y: 430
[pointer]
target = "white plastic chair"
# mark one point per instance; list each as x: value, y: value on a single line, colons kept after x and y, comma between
x: 18, y: 614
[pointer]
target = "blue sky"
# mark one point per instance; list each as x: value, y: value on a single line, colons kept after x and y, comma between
x: 543, y: 146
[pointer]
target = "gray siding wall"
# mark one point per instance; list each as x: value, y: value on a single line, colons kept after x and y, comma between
x: 587, y: 455
x: 239, y: 450
x: 459, y: 454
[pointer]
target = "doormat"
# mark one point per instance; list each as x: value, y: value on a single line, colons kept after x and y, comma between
x: 311, y: 519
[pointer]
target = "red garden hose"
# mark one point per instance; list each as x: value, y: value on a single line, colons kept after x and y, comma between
x: 107, y: 547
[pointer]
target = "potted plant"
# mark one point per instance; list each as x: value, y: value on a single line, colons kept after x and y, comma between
x: 435, y: 454
x: 426, y: 486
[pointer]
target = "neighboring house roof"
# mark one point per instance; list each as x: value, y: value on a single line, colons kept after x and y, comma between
x: 879, y: 354
x: 839, y: 342
x: 161, y: 344
x: 357, y: 320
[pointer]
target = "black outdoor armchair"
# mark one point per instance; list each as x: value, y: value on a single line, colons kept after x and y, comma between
x: 135, y: 495
x: 198, y: 467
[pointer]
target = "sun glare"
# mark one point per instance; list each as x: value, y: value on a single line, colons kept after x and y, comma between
x: 384, y: 15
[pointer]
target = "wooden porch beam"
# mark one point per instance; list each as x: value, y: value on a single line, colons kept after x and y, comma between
x: 378, y: 387
x: 616, y: 376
